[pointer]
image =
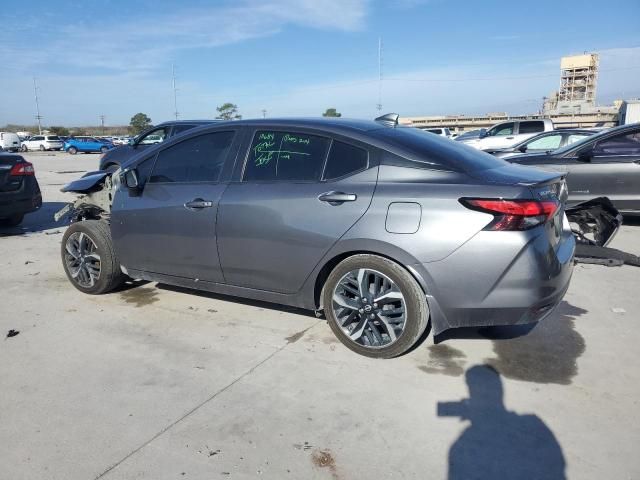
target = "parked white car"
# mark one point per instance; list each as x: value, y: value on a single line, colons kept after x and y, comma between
x: 9, y: 141
x: 507, y: 134
x: 42, y: 142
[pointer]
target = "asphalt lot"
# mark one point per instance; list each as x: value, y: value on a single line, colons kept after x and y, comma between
x: 156, y: 382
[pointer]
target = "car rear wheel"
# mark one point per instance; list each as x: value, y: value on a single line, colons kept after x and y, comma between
x: 374, y: 306
x: 88, y: 257
x: 12, y: 221
x: 24, y: 148
x: 42, y: 148
x: 72, y: 150
x: 104, y: 150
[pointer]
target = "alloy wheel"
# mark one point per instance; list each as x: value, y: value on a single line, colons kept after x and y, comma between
x: 369, y: 308
x: 82, y: 259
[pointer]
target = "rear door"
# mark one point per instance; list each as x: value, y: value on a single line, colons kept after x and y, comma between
x: 171, y: 227
x: 502, y: 135
x: 296, y: 195
x: 613, y: 171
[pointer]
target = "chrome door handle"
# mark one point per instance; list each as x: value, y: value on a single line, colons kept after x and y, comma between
x: 337, y: 197
x: 198, y: 204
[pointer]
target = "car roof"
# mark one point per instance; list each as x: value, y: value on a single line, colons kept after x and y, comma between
x: 346, y: 125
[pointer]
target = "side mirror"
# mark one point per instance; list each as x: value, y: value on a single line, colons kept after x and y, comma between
x: 522, y: 148
x: 132, y: 182
x: 483, y: 132
x: 585, y: 155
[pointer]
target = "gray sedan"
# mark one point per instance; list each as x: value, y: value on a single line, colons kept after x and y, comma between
x: 543, y: 142
x: 387, y: 230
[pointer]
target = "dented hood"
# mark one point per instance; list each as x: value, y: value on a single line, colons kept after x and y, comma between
x: 88, y: 182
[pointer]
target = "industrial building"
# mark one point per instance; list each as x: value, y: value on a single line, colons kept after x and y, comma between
x: 573, y: 105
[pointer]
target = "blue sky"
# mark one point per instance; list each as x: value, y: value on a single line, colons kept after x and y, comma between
x: 299, y: 57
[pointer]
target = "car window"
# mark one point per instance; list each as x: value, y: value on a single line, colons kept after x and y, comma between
x: 282, y: 156
x: 625, y: 144
x: 424, y: 150
x: 531, y: 127
x: 197, y: 159
x: 178, y: 129
x: 574, y: 137
x: 154, y: 136
x: 501, y: 130
x: 550, y: 142
x: 344, y: 159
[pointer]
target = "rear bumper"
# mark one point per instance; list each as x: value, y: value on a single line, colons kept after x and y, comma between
x: 25, y: 200
x: 498, y: 278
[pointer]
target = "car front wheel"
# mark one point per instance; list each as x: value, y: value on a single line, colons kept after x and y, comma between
x: 374, y: 306
x: 88, y: 257
x: 72, y: 150
x: 24, y: 148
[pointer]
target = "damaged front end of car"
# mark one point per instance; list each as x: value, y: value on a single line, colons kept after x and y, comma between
x: 96, y: 191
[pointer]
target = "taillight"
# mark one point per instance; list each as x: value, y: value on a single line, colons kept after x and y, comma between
x: 22, y: 169
x: 513, y: 214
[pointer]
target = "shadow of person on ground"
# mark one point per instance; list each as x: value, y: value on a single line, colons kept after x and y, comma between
x: 499, y: 444
x: 38, y: 221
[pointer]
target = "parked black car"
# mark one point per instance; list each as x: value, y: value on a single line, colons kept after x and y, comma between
x: 543, y: 142
x: 603, y: 165
x: 114, y: 158
x: 19, y: 189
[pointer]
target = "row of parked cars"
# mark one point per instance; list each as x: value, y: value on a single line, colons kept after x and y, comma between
x: 11, y: 142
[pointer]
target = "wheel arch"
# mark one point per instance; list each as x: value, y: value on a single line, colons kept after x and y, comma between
x: 353, y: 247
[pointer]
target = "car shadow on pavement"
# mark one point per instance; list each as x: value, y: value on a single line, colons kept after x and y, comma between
x: 38, y: 221
x: 499, y: 444
x: 238, y: 300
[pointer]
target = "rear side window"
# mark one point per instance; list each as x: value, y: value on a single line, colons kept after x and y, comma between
x: 531, y: 127
x: 550, y: 142
x: 198, y: 159
x: 53, y: 138
x: 344, y: 159
x: 285, y: 156
x: 502, y: 129
x: 625, y: 144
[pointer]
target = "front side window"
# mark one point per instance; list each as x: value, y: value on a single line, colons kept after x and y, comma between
x: 344, y: 159
x: 154, y: 136
x: 531, y: 127
x: 285, y: 156
x: 501, y: 130
x: 198, y: 159
x: 550, y: 142
x: 625, y: 144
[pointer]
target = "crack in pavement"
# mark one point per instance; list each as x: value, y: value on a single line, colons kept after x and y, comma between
x: 197, y: 407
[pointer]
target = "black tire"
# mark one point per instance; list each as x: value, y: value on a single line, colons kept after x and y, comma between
x: 12, y: 221
x: 24, y: 148
x: 72, y: 150
x: 110, y: 275
x: 417, y: 310
x: 104, y: 150
x: 42, y: 148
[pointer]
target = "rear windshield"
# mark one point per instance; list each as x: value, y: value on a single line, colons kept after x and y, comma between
x: 435, y: 151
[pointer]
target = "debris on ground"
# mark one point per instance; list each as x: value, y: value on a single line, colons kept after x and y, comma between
x: 610, y: 257
x: 28, y: 262
x: 12, y: 333
x: 618, y: 310
x: 53, y: 233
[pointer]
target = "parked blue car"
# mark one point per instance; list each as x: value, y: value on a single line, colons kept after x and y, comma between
x: 74, y: 145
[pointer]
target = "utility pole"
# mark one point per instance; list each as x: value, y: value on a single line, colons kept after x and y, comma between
x: 38, y: 116
x: 175, y: 91
x: 264, y: 113
x: 379, y: 105
x: 102, y: 123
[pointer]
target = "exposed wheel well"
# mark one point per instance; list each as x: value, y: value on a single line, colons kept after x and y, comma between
x: 331, y: 264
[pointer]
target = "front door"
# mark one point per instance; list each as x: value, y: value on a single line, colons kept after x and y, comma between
x: 170, y: 228
x: 612, y: 170
x: 289, y: 208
